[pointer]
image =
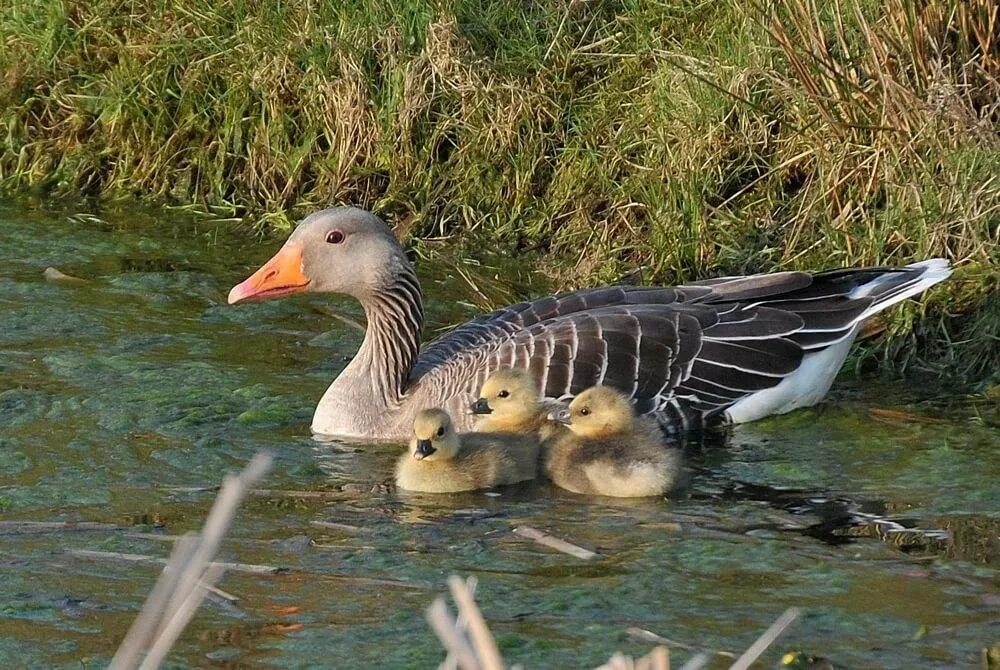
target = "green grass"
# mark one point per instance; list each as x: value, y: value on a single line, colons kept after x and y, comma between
x: 688, y: 138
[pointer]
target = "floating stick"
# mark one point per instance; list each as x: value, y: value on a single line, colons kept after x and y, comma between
x: 554, y: 542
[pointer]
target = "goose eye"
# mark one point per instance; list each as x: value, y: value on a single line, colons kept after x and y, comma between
x: 503, y: 394
x: 335, y: 237
x: 441, y: 431
x: 585, y: 411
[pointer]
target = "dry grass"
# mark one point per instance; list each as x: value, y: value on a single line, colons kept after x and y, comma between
x: 687, y: 138
x: 186, y: 579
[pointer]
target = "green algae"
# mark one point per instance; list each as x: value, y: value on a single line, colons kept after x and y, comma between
x: 118, y: 407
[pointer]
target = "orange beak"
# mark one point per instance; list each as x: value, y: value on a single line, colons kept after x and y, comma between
x: 280, y: 276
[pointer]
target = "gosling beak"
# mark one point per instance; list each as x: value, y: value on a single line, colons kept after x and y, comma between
x: 481, y: 407
x: 560, y: 416
x: 423, y: 450
x: 280, y: 276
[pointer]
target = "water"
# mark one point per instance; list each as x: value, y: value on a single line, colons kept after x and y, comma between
x: 120, y: 395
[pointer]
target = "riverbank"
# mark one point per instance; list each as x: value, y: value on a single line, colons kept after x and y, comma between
x: 689, y: 140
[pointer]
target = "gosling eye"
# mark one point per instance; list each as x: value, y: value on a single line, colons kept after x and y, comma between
x: 585, y: 411
x: 335, y: 237
x: 503, y: 393
x: 440, y: 432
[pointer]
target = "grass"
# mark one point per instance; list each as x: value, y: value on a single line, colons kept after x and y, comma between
x: 688, y: 138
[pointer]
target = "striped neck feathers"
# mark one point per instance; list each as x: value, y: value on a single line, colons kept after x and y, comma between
x: 392, y: 338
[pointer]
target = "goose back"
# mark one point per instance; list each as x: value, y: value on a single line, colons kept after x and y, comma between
x: 683, y: 354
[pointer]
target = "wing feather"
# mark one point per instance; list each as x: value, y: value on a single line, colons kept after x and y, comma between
x: 684, y: 353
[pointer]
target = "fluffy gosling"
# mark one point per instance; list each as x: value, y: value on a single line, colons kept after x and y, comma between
x: 510, y: 401
x: 441, y: 461
x: 609, y: 451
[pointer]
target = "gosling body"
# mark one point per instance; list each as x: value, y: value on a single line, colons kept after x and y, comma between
x: 441, y: 461
x: 608, y: 451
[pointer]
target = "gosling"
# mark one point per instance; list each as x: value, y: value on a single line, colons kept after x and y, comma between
x: 608, y: 451
x: 440, y: 461
x: 511, y: 402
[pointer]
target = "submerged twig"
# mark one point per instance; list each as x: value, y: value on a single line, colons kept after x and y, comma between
x: 342, y: 527
x: 310, y: 495
x: 331, y: 496
x: 57, y: 276
x: 250, y: 568
x: 649, y: 636
x: 190, y: 489
x: 554, y: 542
x: 40, y: 527
x: 225, y: 595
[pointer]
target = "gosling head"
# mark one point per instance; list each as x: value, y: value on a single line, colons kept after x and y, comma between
x: 340, y: 250
x: 598, y: 412
x: 434, y: 437
x: 510, y: 395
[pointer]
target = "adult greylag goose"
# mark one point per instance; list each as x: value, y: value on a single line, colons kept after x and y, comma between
x: 728, y: 349
x: 609, y: 451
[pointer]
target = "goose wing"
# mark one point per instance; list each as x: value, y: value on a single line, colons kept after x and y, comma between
x: 684, y: 353
x: 677, y: 359
x: 491, y: 329
x: 681, y: 357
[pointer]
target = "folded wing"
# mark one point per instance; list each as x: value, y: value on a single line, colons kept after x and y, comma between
x: 684, y: 354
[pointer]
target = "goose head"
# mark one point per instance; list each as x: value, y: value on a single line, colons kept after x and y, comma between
x: 340, y: 250
x: 434, y: 437
x: 508, y: 394
x: 598, y: 412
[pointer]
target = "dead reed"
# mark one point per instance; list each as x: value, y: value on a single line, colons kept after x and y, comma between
x: 187, y: 577
x: 469, y: 642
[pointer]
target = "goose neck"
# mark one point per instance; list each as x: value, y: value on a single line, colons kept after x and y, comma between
x: 392, y: 337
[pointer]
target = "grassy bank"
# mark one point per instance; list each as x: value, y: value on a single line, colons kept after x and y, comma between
x: 688, y: 138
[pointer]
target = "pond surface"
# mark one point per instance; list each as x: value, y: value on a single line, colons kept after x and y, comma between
x: 122, y: 396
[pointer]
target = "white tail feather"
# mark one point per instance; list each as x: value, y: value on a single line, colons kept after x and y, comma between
x: 935, y: 270
x: 811, y: 381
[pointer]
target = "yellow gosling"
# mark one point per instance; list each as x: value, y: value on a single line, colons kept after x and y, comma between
x: 441, y: 461
x: 608, y: 451
x: 511, y: 402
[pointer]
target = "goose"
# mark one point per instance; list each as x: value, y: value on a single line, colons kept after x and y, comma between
x: 440, y: 461
x: 730, y: 349
x: 510, y: 401
x: 608, y: 451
